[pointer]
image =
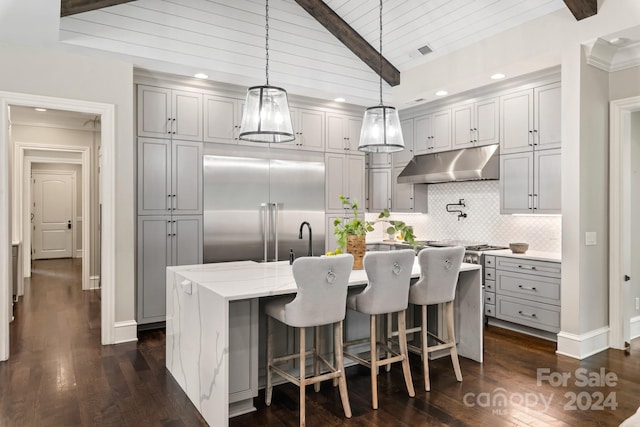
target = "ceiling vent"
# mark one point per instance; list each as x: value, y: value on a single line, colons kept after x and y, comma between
x: 425, y: 50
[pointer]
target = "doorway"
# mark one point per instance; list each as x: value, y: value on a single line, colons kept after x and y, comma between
x: 624, y: 204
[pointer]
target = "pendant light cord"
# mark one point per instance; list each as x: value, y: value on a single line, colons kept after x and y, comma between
x: 381, y: 52
x: 266, y: 43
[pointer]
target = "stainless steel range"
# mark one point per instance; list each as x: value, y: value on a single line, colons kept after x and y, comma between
x: 473, y: 250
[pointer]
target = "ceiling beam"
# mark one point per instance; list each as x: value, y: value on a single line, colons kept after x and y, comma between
x: 351, y: 39
x: 582, y: 8
x: 71, y: 7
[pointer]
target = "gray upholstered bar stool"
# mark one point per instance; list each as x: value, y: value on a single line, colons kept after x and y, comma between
x: 439, y: 268
x: 389, y: 276
x: 320, y: 300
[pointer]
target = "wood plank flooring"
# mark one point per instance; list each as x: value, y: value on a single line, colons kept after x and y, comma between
x: 60, y: 375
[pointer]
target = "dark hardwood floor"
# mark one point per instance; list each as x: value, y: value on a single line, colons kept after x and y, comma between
x: 60, y: 375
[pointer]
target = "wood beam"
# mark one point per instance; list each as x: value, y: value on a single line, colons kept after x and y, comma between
x: 582, y: 8
x: 71, y: 7
x: 351, y: 39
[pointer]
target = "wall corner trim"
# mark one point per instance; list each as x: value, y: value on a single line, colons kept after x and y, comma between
x: 126, y: 331
x: 583, y: 345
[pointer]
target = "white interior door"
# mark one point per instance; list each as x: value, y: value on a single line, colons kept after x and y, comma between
x: 52, y: 215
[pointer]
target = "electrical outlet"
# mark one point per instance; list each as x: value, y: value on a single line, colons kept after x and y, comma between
x: 637, y: 303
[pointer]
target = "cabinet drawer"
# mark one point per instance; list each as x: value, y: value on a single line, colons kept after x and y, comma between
x: 489, y: 274
x: 490, y: 310
x: 527, y: 286
x: 489, y: 261
x: 490, y: 285
x: 540, y: 268
x: 489, y: 298
x: 529, y: 313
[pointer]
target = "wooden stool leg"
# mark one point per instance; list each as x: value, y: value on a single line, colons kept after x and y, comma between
x: 303, y: 383
x: 374, y: 364
x: 339, y: 365
x: 269, y: 385
x: 425, y: 350
x: 388, y: 331
x: 316, y: 354
x: 402, y: 338
x: 452, y: 338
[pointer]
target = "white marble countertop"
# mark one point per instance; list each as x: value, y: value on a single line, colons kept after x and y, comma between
x: 248, y: 279
x: 533, y: 255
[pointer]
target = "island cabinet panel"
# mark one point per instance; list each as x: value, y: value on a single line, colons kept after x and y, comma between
x: 243, y: 352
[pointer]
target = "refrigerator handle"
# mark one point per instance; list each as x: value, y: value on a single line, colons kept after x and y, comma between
x: 275, y: 222
x: 265, y: 226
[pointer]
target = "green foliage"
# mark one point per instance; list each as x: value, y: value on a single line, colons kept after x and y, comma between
x: 357, y: 226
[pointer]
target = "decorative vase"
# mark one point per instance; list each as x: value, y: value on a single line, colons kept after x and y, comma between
x: 357, y: 246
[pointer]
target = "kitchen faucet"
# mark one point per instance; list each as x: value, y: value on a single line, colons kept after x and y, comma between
x: 310, y: 252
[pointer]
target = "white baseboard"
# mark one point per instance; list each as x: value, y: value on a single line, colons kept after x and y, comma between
x: 94, y: 282
x: 126, y: 331
x: 635, y: 327
x: 583, y: 345
x: 78, y: 253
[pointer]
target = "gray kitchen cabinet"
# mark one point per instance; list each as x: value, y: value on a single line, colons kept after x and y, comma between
x: 407, y: 197
x: 343, y: 133
x: 169, y: 113
x: 379, y: 160
x: 530, y: 119
x: 309, y: 129
x: 527, y: 292
x: 401, y: 158
x: 379, y: 197
x: 476, y: 123
x: 344, y: 175
x: 432, y: 132
x: 163, y: 240
x: 169, y: 177
x: 530, y: 182
x: 222, y: 119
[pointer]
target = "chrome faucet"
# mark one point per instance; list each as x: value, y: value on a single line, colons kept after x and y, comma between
x: 310, y: 251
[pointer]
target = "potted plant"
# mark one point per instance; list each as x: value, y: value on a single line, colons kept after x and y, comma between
x: 351, y: 233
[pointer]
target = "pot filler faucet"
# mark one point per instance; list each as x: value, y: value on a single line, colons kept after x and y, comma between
x: 310, y: 251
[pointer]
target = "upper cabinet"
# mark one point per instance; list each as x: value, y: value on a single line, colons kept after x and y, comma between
x: 530, y: 119
x: 308, y: 128
x: 344, y: 176
x: 476, y: 123
x: 222, y: 119
x: 169, y: 113
x: 343, y: 133
x: 432, y: 132
x: 401, y: 158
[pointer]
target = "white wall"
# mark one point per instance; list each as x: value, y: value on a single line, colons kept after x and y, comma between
x: 49, y: 72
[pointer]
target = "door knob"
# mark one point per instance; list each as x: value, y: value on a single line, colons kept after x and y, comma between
x: 69, y: 224
x: 626, y: 278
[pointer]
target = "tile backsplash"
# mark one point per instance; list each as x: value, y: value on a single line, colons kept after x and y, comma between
x: 483, y: 223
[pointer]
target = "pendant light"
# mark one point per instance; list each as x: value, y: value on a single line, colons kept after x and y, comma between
x: 266, y: 116
x: 381, y: 132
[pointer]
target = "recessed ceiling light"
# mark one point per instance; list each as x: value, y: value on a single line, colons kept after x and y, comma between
x: 40, y: 109
x: 497, y: 76
x: 339, y: 99
x: 200, y: 76
x: 442, y: 93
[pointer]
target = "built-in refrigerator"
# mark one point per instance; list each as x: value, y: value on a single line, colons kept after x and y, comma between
x: 254, y: 207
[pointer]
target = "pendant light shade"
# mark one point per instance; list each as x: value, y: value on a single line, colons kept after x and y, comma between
x: 266, y: 116
x: 381, y: 131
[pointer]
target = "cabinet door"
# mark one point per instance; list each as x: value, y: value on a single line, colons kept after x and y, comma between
x: 186, y: 177
x: 463, y: 126
x: 154, y: 111
x: 516, y: 118
x: 516, y: 183
x: 441, y: 131
x: 487, y: 122
x: 335, y: 176
x: 379, y: 189
x: 422, y: 134
x: 221, y: 121
x: 401, y: 158
x: 330, y: 239
x: 154, y: 176
x: 354, y: 188
x: 402, y: 194
x: 378, y: 160
x: 311, y: 129
x: 186, y: 115
x: 336, y: 133
x: 547, y: 176
x: 186, y: 244
x: 244, y: 345
x: 354, y: 126
x: 547, y: 118
x: 154, y: 255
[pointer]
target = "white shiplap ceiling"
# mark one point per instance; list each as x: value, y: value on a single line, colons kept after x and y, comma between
x: 225, y: 39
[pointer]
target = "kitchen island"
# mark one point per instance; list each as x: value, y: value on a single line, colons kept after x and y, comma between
x: 213, y: 326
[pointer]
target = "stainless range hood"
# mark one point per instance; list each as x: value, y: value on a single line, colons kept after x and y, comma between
x: 467, y: 164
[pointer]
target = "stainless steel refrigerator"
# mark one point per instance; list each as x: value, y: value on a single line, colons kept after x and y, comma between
x: 253, y: 208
